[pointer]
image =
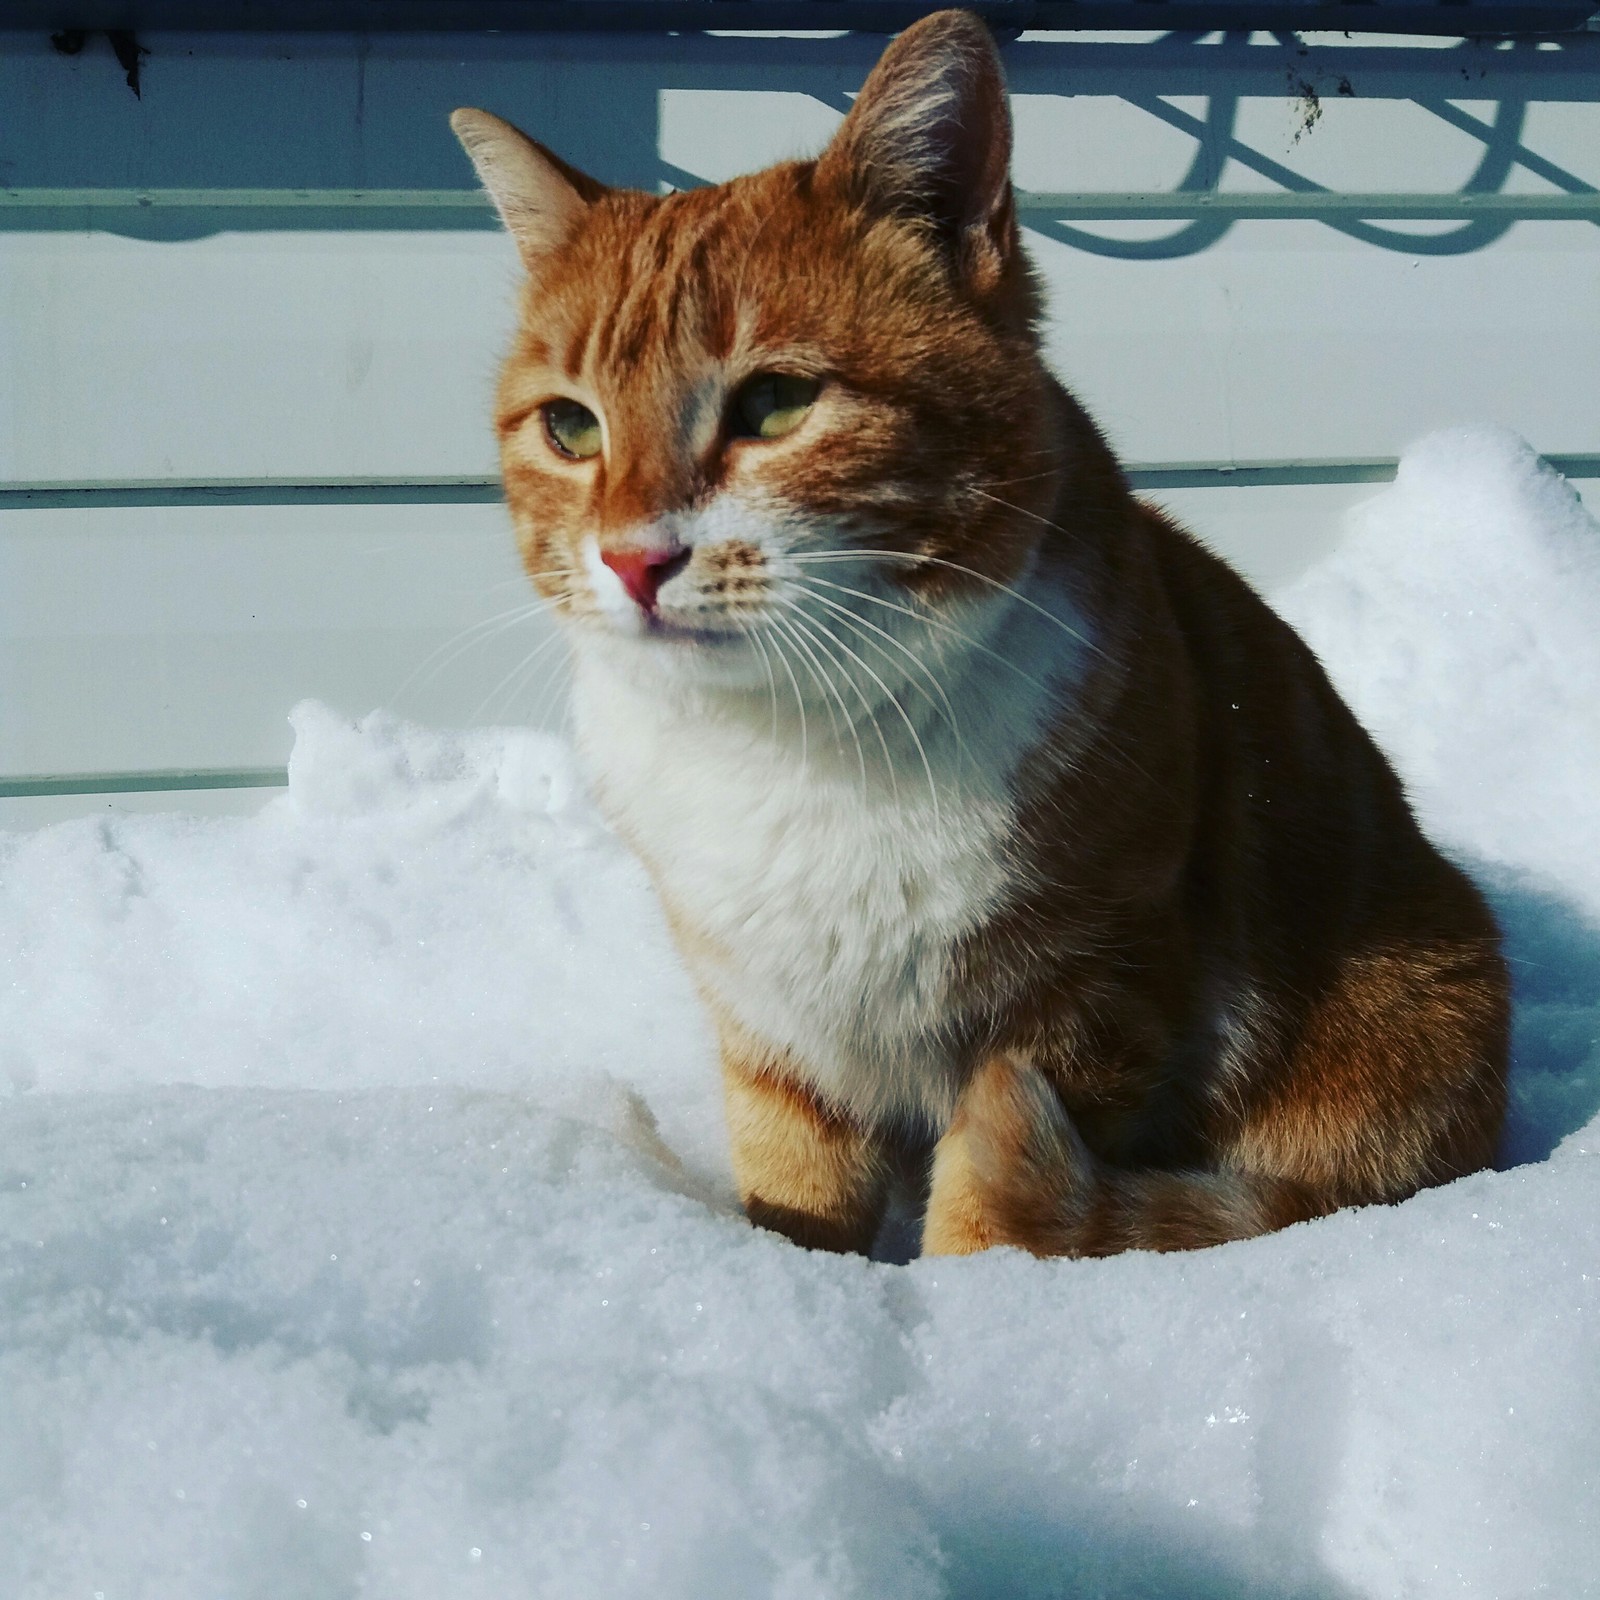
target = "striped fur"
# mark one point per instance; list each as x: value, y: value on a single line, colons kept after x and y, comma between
x: 1003, y: 828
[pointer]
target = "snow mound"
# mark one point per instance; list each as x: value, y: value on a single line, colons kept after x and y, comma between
x: 421, y: 908
x: 1459, y: 620
x: 365, y: 1226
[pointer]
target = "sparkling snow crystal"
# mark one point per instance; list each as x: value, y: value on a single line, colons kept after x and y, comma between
x: 366, y: 1226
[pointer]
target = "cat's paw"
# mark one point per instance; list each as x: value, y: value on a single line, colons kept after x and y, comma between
x: 1012, y: 1169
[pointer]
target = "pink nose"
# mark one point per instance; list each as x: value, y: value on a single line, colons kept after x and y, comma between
x: 644, y: 571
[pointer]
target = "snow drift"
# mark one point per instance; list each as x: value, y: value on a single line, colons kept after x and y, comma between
x: 365, y: 1227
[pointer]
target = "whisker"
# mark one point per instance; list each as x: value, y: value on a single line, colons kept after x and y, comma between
x: 824, y: 680
x: 518, y: 675
x: 905, y: 717
x: 502, y: 704
x: 557, y: 674
x: 751, y: 632
x: 521, y: 579
x: 858, y: 623
x: 803, y: 624
x: 825, y: 637
x: 1029, y: 477
x: 830, y: 691
x: 749, y: 251
x: 476, y: 633
x: 1021, y: 511
x: 820, y: 678
x: 556, y: 681
x: 799, y: 699
x: 801, y: 557
x: 953, y: 566
x: 930, y: 620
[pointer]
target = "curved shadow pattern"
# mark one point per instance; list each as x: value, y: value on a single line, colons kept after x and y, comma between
x: 1218, y: 143
x: 1502, y: 142
x: 1213, y: 135
x: 608, y: 120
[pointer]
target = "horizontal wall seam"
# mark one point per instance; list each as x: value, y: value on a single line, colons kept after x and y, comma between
x: 463, y: 490
x: 114, y: 494
x: 1283, y: 206
x: 164, y: 781
x: 469, y: 208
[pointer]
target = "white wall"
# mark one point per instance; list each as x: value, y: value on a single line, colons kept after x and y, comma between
x: 309, y: 336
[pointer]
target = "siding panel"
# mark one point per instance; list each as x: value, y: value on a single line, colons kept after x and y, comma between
x: 299, y: 342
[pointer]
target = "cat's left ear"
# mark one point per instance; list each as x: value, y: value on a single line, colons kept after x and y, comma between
x: 539, y: 197
x: 930, y: 135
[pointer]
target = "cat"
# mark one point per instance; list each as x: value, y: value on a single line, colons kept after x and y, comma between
x: 1008, y: 836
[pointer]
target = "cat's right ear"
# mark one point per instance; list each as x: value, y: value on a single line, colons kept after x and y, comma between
x: 929, y: 136
x: 539, y: 197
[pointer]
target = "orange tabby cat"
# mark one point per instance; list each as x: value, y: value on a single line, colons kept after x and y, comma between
x: 993, y: 816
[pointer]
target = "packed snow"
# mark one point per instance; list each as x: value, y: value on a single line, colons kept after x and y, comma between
x: 367, y: 1229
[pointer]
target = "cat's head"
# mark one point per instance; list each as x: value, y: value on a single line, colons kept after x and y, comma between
x: 765, y: 414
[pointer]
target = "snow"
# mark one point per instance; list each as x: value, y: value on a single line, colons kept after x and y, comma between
x: 366, y: 1230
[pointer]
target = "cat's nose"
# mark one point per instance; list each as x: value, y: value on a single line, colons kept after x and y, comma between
x: 644, y: 571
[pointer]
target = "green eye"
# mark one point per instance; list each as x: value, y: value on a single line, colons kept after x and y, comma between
x: 772, y: 404
x: 573, y: 429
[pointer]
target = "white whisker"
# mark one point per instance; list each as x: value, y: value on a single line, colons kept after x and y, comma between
x: 953, y: 566
x: 799, y: 699
x: 859, y: 623
x: 905, y: 717
x: 753, y: 635
x: 453, y: 648
x: 807, y: 626
x: 825, y: 636
x: 517, y: 676
x: 929, y: 620
x: 830, y: 691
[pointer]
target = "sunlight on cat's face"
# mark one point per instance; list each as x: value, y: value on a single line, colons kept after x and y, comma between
x: 766, y: 428
x: 757, y: 471
x: 687, y: 525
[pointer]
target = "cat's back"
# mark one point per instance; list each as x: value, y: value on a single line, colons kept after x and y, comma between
x: 1293, y: 795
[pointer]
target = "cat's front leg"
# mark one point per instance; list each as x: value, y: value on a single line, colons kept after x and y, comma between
x: 803, y: 1168
x: 1008, y: 1168
x: 1012, y: 1169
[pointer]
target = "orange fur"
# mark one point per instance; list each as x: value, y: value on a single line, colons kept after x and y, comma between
x: 802, y: 1168
x: 1118, y: 916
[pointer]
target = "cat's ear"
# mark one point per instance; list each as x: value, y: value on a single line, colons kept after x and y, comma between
x: 539, y: 197
x: 930, y: 135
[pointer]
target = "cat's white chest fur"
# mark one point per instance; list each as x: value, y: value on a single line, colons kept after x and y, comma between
x: 822, y: 910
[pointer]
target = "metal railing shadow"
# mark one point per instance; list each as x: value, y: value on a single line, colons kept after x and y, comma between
x: 348, y: 133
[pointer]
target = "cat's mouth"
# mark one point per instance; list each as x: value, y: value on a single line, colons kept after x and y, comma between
x: 675, y: 627
x: 683, y: 630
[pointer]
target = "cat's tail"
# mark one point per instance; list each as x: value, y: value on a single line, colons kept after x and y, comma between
x: 1013, y: 1170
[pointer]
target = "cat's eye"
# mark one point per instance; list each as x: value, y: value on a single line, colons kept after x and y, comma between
x: 772, y: 404
x: 573, y: 429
